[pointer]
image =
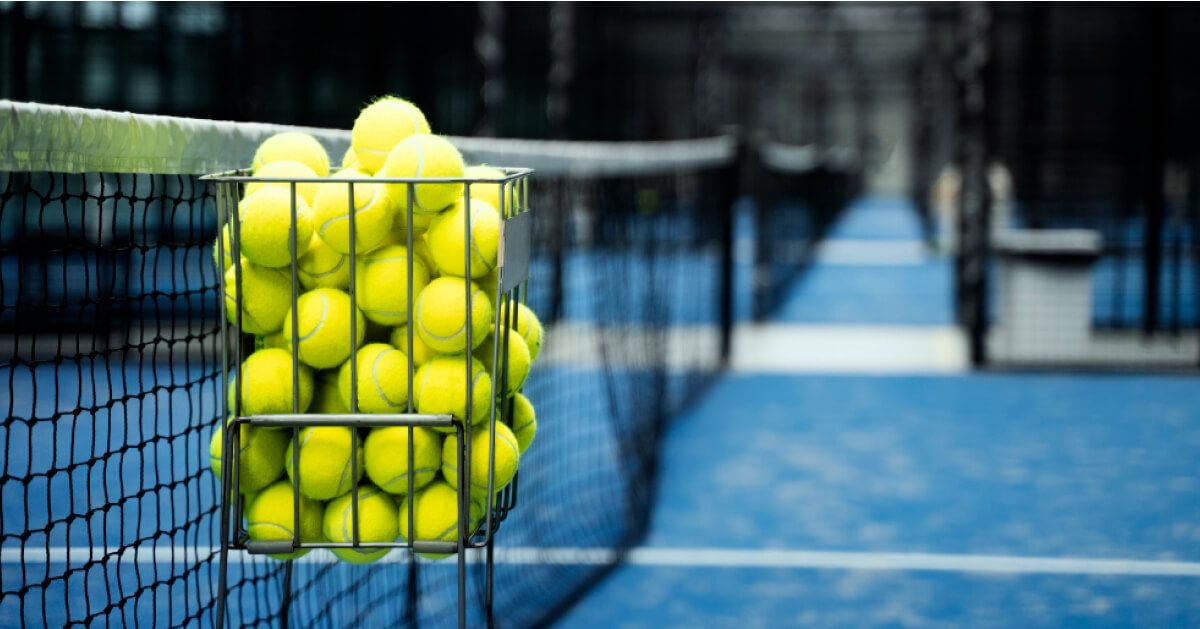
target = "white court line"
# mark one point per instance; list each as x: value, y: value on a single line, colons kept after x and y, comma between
x: 858, y: 349
x: 693, y: 558
x: 850, y: 252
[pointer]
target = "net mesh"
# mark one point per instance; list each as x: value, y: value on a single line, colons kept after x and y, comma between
x: 110, y: 317
x: 800, y: 194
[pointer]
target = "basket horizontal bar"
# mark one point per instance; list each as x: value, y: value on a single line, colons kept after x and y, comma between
x: 360, y: 420
x: 270, y: 547
x: 237, y: 176
x: 441, y: 548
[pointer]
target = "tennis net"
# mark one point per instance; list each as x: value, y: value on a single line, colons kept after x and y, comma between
x: 110, y: 318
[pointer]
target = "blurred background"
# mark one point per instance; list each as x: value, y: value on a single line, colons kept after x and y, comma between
x: 859, y: 313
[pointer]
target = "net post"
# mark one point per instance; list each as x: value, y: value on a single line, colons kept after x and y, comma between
x: 730, y: 184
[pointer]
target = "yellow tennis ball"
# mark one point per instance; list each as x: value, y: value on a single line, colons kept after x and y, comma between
x: 486, y: 192
x: 382, y: 284
x: 349, y: 159
x: 378, y: 521
x: 327, y: 400
x: 323, y: 267
x: 489, y: 284
x: 382, y: 373
x: 288, y: 169
x: 324, y: 327
x: 380, y: 126
x: 442, y: 317
x: 275, y: 339
x: 266, y: 297
x: 527, y: 325
x: 524, y: 421
x: 420, y: 352
x: 435, y: 516
x: 447, y: 239
x: 373, y: 215
x: 222, y: 251
x: 325, y: 463
x: 400, y: 227
x: 507, y: 456
x: 271, y: 516
x: 518, y: 358
x: 267, y: 374
x: 424, y: 156
x: 265, y: 223
x: 260, y: 456
x: 293, y: 146
x: 440, y: 388
x: 387, y: 457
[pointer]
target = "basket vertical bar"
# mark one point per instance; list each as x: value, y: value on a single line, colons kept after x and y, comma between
x: 225, y: 485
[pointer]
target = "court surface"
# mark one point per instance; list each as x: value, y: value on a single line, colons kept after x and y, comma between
x: 890, y: 490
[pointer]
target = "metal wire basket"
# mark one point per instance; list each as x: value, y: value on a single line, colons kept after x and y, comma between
x: 512, y: 269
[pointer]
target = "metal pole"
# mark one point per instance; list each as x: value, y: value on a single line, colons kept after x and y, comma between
x: 974, y: 216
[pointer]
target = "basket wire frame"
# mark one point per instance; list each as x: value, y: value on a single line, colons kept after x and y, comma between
x: 514, y: 200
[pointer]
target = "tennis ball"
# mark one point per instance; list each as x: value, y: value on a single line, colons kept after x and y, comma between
x: 223, y: 257
x: 440, y: 388
x: 267, y: 374
x: 447, y: 243
x: 435, y: 515
x: 325, y: 468
x: 486, y: 192
x: 327, y: 400
x: 490, y: 283
x: 274, y: 339
x: 380, y: 126
x: 524, y: 421
x: 518, y: 358
x: 508, y: 453
x: 288, y: 169
x: 324, y: 327
x: 423, y: 156
x: 420, y: 353
x: 322, y: 267
x: 387, y: 457
x: 373, y: 215
x: 382, y: 380
x: 378, y: 521
x: 349, y: 159
x: 442, y: 316
x: 293, y: 146
x: 382, y: 284
x: 266, y: 297
x: 260, y: 456
x: 271, y: 516
x: 265, y: 223
x: 400, y: 227
x: 528, y: 326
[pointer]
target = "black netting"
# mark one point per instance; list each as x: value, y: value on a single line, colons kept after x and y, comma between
x: 794, y: 208
x: 110, y: 318
x: 109, y: 314
x: 1078, y: 219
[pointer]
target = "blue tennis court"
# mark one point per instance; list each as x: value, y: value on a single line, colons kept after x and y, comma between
x: 914, y: 499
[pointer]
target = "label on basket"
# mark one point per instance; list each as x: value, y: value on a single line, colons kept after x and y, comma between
x: 516, y: 236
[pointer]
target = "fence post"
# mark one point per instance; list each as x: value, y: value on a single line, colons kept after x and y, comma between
x: 730, y: 185
x: 973, y: 153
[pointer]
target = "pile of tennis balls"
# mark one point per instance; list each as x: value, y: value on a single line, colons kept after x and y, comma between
x: 391, y: 138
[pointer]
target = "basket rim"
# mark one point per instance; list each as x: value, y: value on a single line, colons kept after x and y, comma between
x: 243, y: 175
